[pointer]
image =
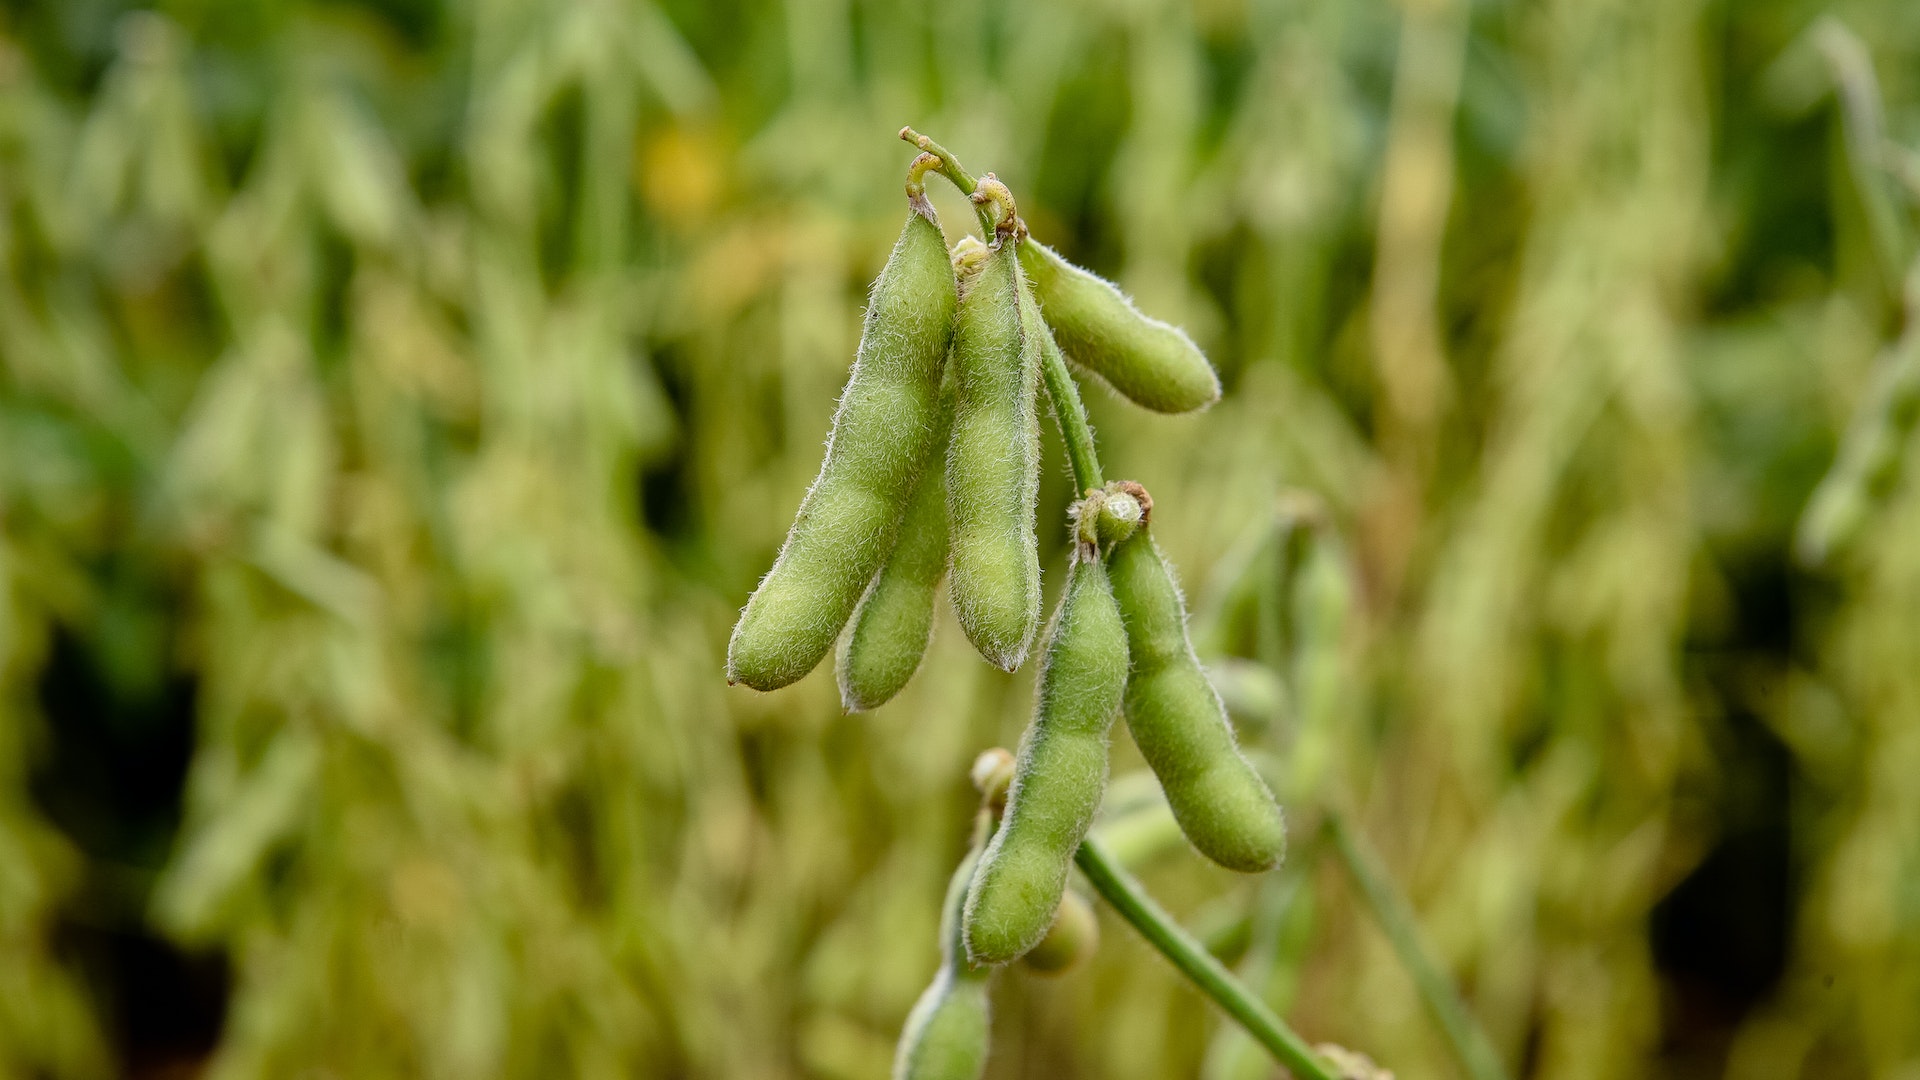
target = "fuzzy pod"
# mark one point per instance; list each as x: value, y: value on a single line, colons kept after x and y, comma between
x: 945, y: 1037
x: 1072, y: 938
x: 883, y: 431
x: 883, y: 646
x: 1153, y: 363
x: 1058, y: 776
x: 1180, y: 725
x: 993, y: 462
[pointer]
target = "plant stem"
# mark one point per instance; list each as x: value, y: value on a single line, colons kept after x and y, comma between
x: 1071, y: 414
x: 1068, y: 410
x: 1134, y: 905
x: 950, y: 166
x: 1470, y: 1044
x: 1108, y: 878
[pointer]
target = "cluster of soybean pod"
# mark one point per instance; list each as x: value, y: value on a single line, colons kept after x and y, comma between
x: 932, y: 472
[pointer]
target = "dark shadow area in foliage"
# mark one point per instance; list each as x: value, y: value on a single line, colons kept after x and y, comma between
x: 1721, y: 938
x: 111, y: 779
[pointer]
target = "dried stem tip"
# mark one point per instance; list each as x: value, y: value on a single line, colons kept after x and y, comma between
x: 992, y: 773
x: 1007, y: 215
x: 917, y: 176
x: 1108, y: 515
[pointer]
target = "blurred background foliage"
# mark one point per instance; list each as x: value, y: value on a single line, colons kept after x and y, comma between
x: 398, y: 399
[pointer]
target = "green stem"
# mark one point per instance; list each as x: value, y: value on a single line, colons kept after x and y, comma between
x: 950, y: 166
x: 1134, y: 905
x: 1469, y: 1043
x: 1068, y: 410
x: 1071, y: 414
x: 1108, y: 878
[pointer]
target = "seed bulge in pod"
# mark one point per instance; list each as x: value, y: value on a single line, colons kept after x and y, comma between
x: 1181, y: 727
x: 1072, y: 938
x: 1059, y: 773
x: 993, y: 463
x: 1153, y: 363
x: 883, y: 431
x: 887, y: 639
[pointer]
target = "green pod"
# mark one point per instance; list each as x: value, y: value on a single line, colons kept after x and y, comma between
x: 1059, y: 775
x: 993, y: 462
x: 883, y: 647
x: 945, y: 1037
x: 883, y: 430
x: 1181, y: 727
x: 1072, y: 938
x: 1154, y: 363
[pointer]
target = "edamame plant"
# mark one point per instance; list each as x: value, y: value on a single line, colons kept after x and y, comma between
x: 957, y: 348
x: 882, y: 433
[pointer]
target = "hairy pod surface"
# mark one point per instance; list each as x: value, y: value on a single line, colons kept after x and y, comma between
x: 1153, y: 363
x: 888, y: 637
x: 1059, y: 775
x: 1181, y: 727
x: 945, y: 1037
x: 883, y: 430
x: 993, y: 462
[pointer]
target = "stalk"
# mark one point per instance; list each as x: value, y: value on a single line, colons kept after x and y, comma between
x: 1120, y: 889
x: 1068, y: 410
x: 1071, y: 414
x: 1470, y: 1045
x: 1113, y: 883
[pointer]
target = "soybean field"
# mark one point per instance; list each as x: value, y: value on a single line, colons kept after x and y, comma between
x: 1449, y: 608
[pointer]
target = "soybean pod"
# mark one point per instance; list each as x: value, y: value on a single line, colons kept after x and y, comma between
x: 1179, y: 724
x: 883, y: 429
x: 1072, y: 938
x: 888, y: 637
x: 1151, y: 362
x: 945, y: 1037
x: 1058, y: 776
x: 993, y: 461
